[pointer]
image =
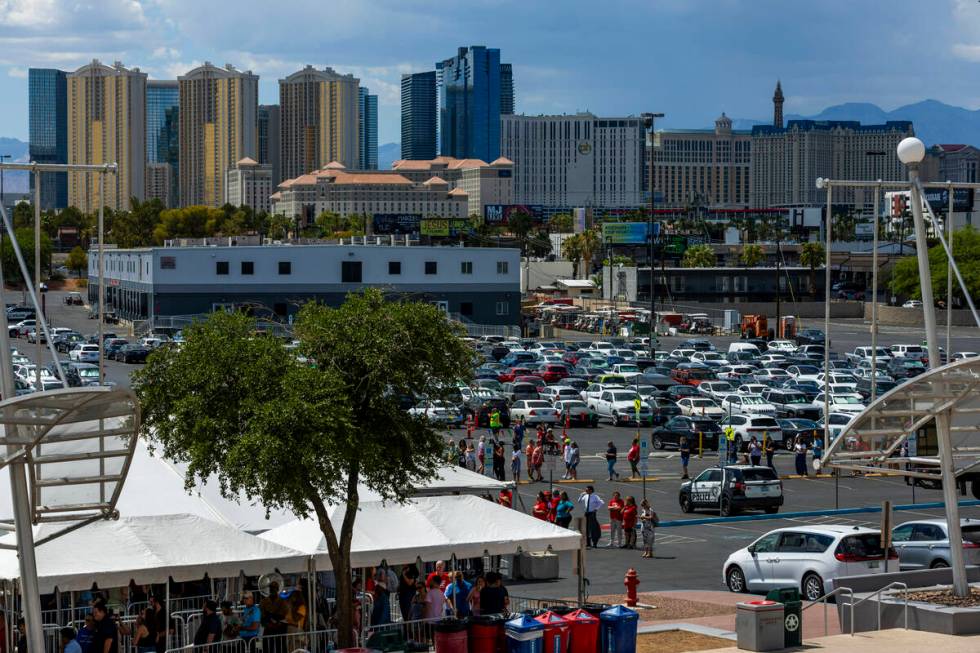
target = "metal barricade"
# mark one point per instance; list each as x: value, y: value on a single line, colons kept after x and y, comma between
x: 317, y: 641
x: 420, y: 631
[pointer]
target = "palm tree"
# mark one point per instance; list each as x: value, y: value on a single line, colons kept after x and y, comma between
x: 571, y: 249
x: 589, y: 246
x: 699, y: 256
x: 812, y: 255
x: 753, y: 255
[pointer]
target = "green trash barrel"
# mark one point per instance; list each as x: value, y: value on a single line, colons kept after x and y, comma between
x: 792, y: 614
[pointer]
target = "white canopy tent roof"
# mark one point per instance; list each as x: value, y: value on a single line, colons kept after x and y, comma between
x: 428, y: 528
x: 149, y: 550
x: 155, y: 486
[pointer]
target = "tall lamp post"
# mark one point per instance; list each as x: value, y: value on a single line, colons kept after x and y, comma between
x: 911, y: 151
x: 648, y: 122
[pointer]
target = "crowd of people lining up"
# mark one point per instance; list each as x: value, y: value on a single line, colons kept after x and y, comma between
x: 626, y: 517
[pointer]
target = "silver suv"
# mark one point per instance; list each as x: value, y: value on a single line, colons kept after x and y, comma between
x: 924, y: 544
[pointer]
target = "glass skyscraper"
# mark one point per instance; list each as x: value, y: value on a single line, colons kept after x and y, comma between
x: 367, y: 128
x: 419, y: 116
x: 474, y: 89
x: 163, y: 129
x: 48, y: 131
x: 269, y: 143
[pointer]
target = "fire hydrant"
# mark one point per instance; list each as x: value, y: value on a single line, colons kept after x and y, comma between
x: 631, y: 581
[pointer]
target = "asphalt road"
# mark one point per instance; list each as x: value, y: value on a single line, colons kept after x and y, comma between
x: 688, y: 557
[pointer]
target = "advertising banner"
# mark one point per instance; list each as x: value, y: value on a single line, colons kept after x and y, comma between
x: 498, y: 214
x: 627, y: 233
x: 444, y: 226
x: 938, y: 199
x: 396, y: 223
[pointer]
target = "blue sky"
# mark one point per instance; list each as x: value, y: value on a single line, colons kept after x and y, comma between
x: 691, y: 59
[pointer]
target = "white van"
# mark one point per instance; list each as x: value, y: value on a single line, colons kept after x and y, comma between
x: 744, y: 347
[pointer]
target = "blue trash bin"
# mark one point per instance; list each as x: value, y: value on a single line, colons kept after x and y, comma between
x: 524, y: 635
x: 618, y: 630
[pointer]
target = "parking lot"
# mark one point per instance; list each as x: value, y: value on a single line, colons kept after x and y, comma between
x: 686, y: 557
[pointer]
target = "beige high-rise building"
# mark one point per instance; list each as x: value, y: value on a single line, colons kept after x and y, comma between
x: 319, y: 121
x: 218, y: 117
x: 107, y: 124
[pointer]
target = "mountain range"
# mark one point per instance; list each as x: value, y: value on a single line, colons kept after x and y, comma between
x: 934, y: 121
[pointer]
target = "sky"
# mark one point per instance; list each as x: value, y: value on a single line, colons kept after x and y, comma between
x: 690, y: 59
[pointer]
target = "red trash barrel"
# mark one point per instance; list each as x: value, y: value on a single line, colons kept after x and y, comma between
x: 487, y: 634
x: 450, y: 636
x: 555, y: 632
x: 583, y: 636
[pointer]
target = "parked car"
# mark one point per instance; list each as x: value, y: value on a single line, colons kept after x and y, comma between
x: 21, y: 328
x: 905, y: 368
x: 662, y: 409
x: 746, y: 427
x: 924, y: 544
x: 810, y: 337
x: 748, y: 405
x: 803, y: 372
x: 519, y: 391
x: 792, y: 428
x: 809, y: 557
x: 840, y: 403
x: 699, y: 431
x: 84, y: 353
x: 691, y: 374
x: 716, y: 390
x: 74, y: 299
x: 437, y: 412
x: 859, y: 354
x: 82, y: 374
x: 678, y: 392
x: 881, y: 387
x: 782, y: 346
x: 700, y: 407
x: 790, y: 403
x: 912, y: 303
x: 577, y: 412
x: 621, y: 407
x: 131, y: 354
x: 917, y: 352
x: 733, y: 488
x: 534, y: 411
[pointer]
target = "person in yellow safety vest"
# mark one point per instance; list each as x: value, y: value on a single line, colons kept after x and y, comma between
x: 495, y: 422
x: 730, y: 438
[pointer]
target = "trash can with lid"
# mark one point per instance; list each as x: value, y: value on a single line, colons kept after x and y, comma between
x: 792, y: 614
x: 524, y: 635
x: 451, y: 635
x: 486, y: 634
x: 618, y: 630
x: 759, y: 625
x: 555, y: 632
x: 584, y: 634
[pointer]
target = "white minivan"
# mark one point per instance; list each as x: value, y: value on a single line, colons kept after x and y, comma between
x: 744, y: 347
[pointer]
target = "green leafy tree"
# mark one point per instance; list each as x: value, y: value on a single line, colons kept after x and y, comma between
x: 561, y: 223
x: 279, y: 226
x: 135, y: 228
x: 752, y: 255
x: 23, y: 215
x: 591, y: 241
x: 571, y: 249
x: 77, y: 261
x: 25, y: 239
x: 306, y: 436
x: 812, y: 255
x: 906, y: 282
x: 521, y: 223
x: 699, y: 256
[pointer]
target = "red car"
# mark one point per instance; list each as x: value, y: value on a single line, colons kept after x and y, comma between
x: 553, y: 373
x: 508, y: 376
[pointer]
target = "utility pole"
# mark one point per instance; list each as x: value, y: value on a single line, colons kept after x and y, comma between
x: 648, y: 125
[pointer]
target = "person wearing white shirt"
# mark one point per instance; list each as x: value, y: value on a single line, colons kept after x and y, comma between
x: 591, y: 503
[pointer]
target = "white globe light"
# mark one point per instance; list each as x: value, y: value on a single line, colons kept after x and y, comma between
x: 911, y: 150
x: 820, y: 182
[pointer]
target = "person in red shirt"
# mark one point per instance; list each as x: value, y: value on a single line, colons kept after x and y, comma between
x: 537, y: 461
x: 504, y: 498
x: 633, y: 456
x: 540, y: 510
x: 615, y: 520
x: 629, y: 523
x: 528, y: 455
x: 439, y: 573
x: 553, y: 506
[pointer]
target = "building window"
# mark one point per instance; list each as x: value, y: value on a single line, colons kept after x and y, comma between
x: 285, y: 267
x: 466, y: 308
x: 221, y: 267
x: 503, y: 308
x: 350, y: 271
x: 502, y: 267
x: 394, y: 267
x: 466, y: 267
x: 431, y: 267
x: 248, y: 267
x: 168, y: 262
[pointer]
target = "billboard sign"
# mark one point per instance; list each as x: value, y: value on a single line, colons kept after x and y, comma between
x: 444, y: 226
x: 499, y: 214
x: 396, y: 223
x: 938, y: 199
x: 628, y: 233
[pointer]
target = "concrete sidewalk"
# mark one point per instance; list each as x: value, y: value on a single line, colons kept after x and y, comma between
x: 885, y: 641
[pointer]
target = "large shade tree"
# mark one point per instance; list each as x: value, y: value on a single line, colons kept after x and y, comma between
x: 906, y: 282
x: 306, y: 433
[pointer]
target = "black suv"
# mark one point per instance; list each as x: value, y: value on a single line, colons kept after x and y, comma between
x: 732, y: 488
x: 698, y: 431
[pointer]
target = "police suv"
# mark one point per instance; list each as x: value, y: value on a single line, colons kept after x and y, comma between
x: 731, y: 488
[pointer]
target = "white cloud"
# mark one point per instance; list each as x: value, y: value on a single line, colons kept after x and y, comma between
x: 15, y: 71
x: 966, y: 51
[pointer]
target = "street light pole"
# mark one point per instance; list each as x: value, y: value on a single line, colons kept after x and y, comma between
x: 911, y: 151
x: 648, y: 123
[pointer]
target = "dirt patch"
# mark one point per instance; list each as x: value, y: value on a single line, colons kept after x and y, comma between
x: 944, y: 597
x: 669, y: 608
x: 670, y: 641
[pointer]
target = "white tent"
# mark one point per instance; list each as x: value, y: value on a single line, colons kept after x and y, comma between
x: 155, y: 486
x: 428, y: 528
x: 149, y: 550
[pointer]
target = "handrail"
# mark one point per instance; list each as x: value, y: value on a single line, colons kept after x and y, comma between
x: 878, y: 595
x: 823, y: 599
